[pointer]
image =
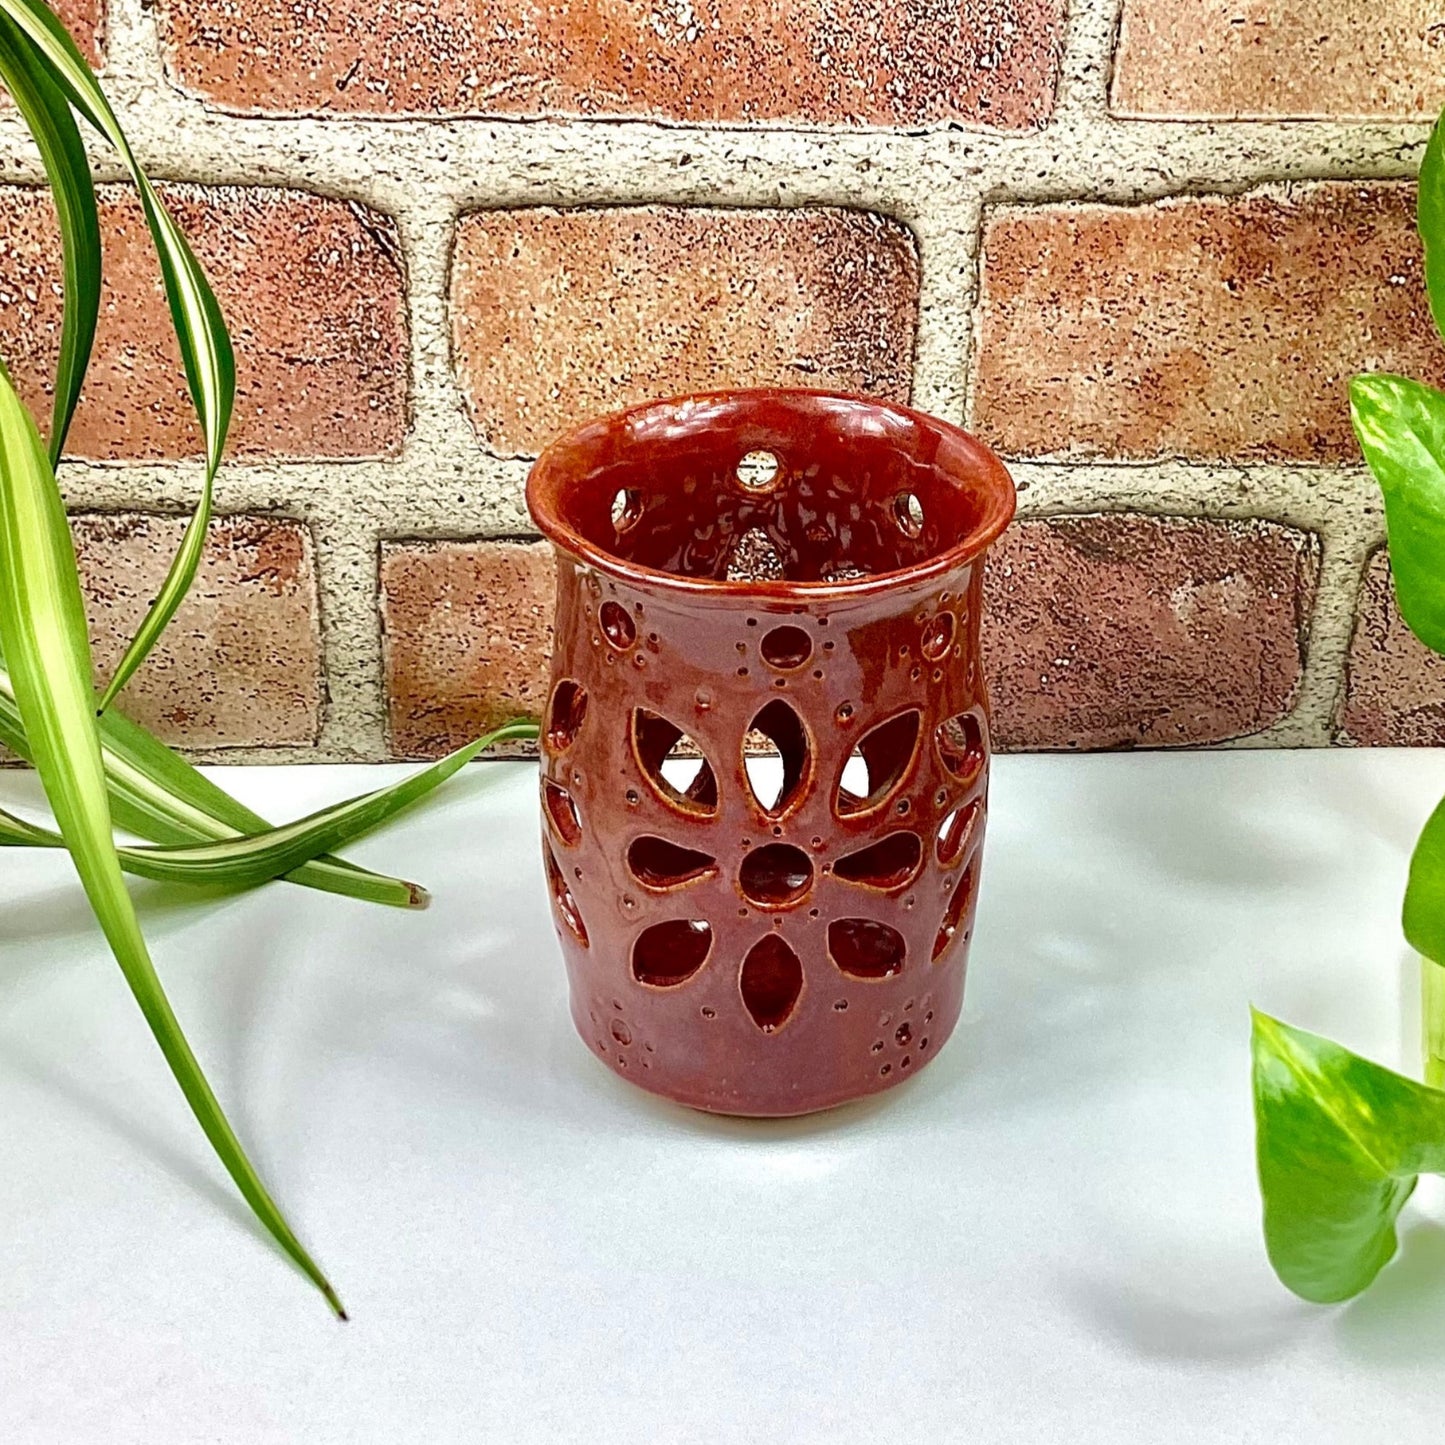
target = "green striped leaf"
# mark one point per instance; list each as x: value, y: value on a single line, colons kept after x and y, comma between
x: 47, y: 113
x: 44, y: 637
x: 200, y: 330
x: 158, y: 795
x: 245, y: 862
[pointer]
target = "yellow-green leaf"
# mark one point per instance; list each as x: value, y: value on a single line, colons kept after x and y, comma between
x: 1424, y: 910
x: 1401, y: 429
x: 1430, y: 214
x: 156, y: 794
x: 245, y: 862
x: 1340, y: 1143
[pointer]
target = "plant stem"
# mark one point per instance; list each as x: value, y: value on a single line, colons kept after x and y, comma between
x: 1432, y: 980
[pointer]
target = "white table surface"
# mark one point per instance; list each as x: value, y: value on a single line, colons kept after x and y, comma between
x: 1050, y: 1235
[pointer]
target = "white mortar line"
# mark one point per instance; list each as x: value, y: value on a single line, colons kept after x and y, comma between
x: 1348, y: 541
x: 354, y: 720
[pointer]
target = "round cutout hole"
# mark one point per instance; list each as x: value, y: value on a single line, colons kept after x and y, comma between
x: 786, y: 648
x: 938, y: 636
x: 775, y: 875
x: 619, y: 629
x: 759, y: 471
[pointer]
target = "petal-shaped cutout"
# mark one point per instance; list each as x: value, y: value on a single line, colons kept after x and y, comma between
x: 962, y: 745
x: 959, y: 906
x: 565, y: 714
x: 656, y: 863
x: 661, y: 750
x: 668, y: 954
x: 890, y: 863
x: 777, y: 758
x: 563, y: 812
x: 562, y: 898
x: 771, y: 982
x: 886, y: 752
x: 855, y: 776
x: 956, y: 832
x: 865, y: 948
x: 775, y: 875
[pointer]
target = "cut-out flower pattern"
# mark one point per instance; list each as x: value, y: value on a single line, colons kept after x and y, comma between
x: 776, y: 876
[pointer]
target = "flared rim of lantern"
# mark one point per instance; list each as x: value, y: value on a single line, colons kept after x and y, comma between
x: 576, y: 460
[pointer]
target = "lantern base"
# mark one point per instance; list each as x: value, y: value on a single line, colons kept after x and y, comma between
x: 811, y: 1074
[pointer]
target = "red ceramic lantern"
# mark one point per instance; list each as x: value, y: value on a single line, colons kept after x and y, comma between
x: 782, y: 572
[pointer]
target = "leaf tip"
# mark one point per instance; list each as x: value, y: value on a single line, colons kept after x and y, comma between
x: 1261, y: 1022
x: 1270, y: 1039
x: 419, y: 897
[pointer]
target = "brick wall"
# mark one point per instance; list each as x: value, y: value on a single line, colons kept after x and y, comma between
x: 1138, y: 245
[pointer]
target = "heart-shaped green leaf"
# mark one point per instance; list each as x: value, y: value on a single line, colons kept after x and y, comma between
x: 1340, y: 1144
x: 1401, y: 428
x: 1430, y: 216
x: 1424, y: 912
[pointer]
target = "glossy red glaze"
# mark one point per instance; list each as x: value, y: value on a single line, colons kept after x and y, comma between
x: 755, y: 950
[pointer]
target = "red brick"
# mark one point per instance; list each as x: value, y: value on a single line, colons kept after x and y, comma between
x: 1395, y: 686
x: 562, y: 315
x: 1135, y: 631
x: 312, y: 293
x: 803, y: 62
x: 1280, y: 59
x: 468, y: 639
x: 1198, y: 327
x: 240, y: 665
x: 85, y: 20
